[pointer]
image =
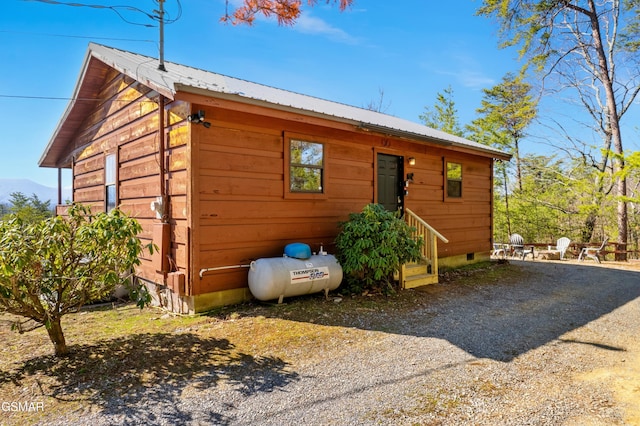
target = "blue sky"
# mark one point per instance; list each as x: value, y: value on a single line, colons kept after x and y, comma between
x: 409, y: 50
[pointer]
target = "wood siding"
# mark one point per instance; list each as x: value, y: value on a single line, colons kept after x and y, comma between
x: 465, y: 222
x: 228, y: 201
x: 126, y: 124
x: 241, y: 209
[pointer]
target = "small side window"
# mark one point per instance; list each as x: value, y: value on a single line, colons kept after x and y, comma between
x: 454, y: 180
x: 110, y: 193
x: 306, y: 166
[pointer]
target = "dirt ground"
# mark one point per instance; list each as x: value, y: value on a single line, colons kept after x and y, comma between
x: 533, y: 342
x: 624, y: 376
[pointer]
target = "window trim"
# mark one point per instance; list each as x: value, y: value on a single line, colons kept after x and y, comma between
x: 448, y: 197
x: 108, y: 183
x: 288, y: 193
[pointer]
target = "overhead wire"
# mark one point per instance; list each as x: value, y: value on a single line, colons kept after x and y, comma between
x: 96, y: 6
x: 77, y: 36
x: 117, y: 10
x: 61, y: 98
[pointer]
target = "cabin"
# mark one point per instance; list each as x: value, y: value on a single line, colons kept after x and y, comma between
x: 221, y: 171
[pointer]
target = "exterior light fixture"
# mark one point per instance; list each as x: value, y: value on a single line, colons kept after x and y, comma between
x: 412, y: 161
x: 198, y: 118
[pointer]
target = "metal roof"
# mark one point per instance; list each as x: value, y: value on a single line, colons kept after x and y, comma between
x: 181, y: 78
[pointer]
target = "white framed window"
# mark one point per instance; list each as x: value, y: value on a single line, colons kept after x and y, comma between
x: 110, y: 179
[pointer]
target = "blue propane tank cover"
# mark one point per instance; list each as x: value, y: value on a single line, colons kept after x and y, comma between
x: 297, y: 251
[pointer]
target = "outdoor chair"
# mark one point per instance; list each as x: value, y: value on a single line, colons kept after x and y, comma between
x: 593, y: 252
x: 499, y: 250
x: 516, y: 243
x: 561, y: 246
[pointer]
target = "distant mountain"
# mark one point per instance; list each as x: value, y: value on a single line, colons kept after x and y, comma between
x: 28, y: 188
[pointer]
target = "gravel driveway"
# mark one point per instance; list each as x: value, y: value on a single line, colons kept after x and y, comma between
x: 558, y: 346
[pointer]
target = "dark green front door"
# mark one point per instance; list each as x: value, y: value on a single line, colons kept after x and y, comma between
x: 390, y: 193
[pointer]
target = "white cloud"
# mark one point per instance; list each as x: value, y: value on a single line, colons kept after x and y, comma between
x: 474, y: 79
x: 469, y: 71
x: 464, y: 68
x: 308, y: 24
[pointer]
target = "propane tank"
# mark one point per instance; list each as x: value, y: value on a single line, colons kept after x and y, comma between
x: 280, y: 277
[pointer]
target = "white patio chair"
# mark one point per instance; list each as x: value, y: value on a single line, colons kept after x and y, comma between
x: 516, y: 242
x: 592, y: 252
x: 561, y: 246
x: 499, y: 250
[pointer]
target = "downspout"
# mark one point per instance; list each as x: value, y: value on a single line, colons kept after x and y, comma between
x: 162, y: 231
x: 161, y: 105
x: 161, y: 154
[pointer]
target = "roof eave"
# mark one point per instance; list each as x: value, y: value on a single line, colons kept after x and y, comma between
x: 52, y: 155
x: 168, y: 84
x: 45, y: 158
x: 369, y: 127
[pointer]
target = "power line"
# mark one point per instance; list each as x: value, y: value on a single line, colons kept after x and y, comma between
x: 158, y: 15
x: 117, y: 10
x: 47, y: 98
x: 77, y: 36
x: 56, y: 98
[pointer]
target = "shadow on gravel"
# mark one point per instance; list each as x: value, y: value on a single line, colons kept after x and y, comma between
x: 127, y: 376
x: 499, y: 320
x: 506, y: 320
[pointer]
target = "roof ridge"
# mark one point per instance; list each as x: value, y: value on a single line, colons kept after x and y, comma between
x: 166, y: 63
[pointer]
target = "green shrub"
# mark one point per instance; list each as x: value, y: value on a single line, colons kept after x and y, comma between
x: 54, y: 266
x: 372, y: 245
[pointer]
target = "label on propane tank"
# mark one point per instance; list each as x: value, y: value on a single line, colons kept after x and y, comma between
x: 309, y: 274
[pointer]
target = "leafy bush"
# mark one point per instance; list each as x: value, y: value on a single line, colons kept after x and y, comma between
x: 51, y: 267
x: 372, y: 245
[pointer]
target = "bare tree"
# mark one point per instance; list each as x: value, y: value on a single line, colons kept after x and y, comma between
x: 576, y: 41
x: 379, y: 105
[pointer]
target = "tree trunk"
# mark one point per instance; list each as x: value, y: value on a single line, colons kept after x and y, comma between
x: 516, y: 152
x: 613, y: 120
x: 506, y: 201
x: 57, y: 337
x: 622, y: 215
x: 588, y: 227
